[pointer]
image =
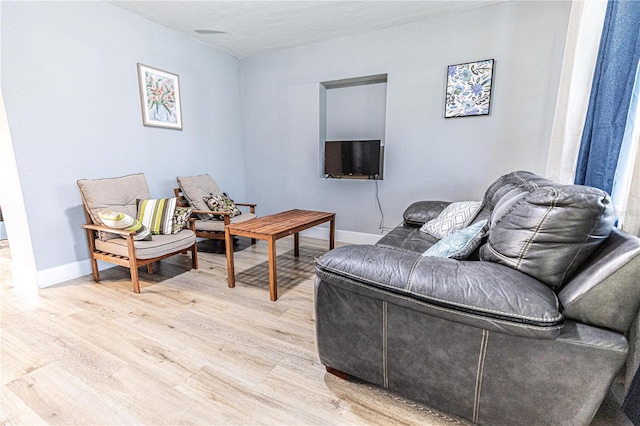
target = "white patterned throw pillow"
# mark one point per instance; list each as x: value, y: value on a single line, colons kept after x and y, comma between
x: 454, y: 217
x: 119, y: 220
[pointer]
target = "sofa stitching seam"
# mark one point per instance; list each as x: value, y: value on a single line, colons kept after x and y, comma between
x: 385, y: 371
x: 527, y: 244
x: 504, y: 258
x: 479, y: 372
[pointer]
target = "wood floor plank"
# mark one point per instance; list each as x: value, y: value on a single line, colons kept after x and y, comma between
x: 14, y: 411
x: 289, y: 386
x: 265, y: 409
x: 18, y: 358
x: 59, y: 397
x: 153, y: 401
x: 168, y: 362
x: 65, y: 347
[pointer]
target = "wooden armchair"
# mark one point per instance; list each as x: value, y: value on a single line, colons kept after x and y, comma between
x: 118, y: 246
x: 191, y: 192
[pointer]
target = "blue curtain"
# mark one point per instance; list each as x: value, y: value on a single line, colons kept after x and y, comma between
x: 626, y: 158
x: 611, y: 90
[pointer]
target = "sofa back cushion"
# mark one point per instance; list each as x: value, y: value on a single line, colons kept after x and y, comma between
x: 512, y: 184
x: 547, y: 232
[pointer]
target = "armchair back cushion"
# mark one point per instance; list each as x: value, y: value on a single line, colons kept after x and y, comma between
x: 116, y: 194
x: 195, y: 188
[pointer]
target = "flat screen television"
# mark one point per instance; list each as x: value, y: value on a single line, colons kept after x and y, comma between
x: 359, y: 158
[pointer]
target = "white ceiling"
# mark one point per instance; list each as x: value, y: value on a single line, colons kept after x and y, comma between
x: 252, y: 27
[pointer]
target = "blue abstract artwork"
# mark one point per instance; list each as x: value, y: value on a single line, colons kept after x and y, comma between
x: 469, y: 89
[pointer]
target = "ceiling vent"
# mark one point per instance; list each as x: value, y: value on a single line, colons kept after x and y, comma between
x: 210, y: 32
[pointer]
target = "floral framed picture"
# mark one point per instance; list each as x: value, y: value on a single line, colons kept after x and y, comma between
x: 160, y: 98
x: 469, y: 89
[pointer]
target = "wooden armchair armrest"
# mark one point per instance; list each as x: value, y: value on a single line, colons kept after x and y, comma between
x: 252, y: 206
x: 225, y: 215
x: 211, y: 212
x: 92, y: 227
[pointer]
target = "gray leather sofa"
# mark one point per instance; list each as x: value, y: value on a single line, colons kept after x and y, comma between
x: 532, y: 328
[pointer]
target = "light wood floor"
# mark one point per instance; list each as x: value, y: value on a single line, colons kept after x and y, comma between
x: 187, y: 350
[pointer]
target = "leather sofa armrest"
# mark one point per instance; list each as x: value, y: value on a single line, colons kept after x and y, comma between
x: 421, y: 212
x: 482, y: 294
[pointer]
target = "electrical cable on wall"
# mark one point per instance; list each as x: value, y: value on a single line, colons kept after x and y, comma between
x: 381, y: 225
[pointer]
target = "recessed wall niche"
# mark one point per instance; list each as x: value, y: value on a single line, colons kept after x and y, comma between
x: 353, y: 109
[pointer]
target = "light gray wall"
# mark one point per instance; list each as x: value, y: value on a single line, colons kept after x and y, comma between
x: 70, y: 86
x: 427, y: 157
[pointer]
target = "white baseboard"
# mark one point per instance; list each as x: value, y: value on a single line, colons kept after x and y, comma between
x: 58, y: 274
x: 69, y: 271
x: 342, y: 236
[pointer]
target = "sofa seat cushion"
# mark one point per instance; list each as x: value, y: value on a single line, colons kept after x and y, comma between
x: 570, y: 221
x: 158, y: 246
x: 409, y: 238
x: 215, y: 225
x: 482, y: 294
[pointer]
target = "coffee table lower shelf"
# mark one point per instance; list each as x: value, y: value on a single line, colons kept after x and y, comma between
x: 271, y: 228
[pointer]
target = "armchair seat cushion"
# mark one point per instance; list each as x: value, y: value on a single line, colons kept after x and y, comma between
x: 218, y: 225
x: 160, y: 245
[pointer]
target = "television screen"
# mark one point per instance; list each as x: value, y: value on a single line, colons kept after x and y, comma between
x: 352, y: 158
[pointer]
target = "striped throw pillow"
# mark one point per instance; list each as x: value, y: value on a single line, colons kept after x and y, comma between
x: 118, y: 220
x: 157, y: 214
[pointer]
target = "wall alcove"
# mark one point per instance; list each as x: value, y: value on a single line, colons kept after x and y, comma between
x: 353, y: 109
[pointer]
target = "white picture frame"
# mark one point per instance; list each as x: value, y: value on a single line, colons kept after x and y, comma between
x: 159, y: 98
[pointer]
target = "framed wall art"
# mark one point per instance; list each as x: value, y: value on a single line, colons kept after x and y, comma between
x: 160, y: 98
x: 469, y: 89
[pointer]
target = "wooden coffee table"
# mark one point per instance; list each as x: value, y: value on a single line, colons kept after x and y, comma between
x: 271, y: 228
